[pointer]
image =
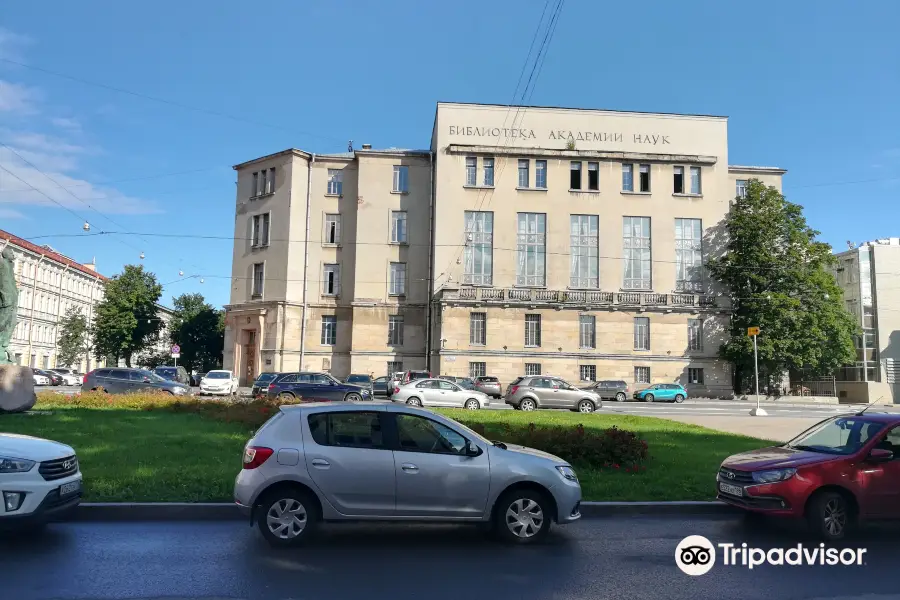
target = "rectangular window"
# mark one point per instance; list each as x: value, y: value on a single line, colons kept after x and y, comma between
x: 695, y: 375
x: 488, y: 164
x: 477, y: 328
x: 696, y: 186
x: 587, y: 331
x: 679, y: 180
x: 695, y: 334
x: 524, y: 178
x: 259, y: 270
x: 347, y: 429
x: 478, y: 253
x: 331, y: 280
x: 741, y: 188
x: 332, y: 229
x: 642, y: 333
x: 688, y: 255
x: 401, y: 179
x: 636, y: 242
x: 395, y: 330
x: 270, y: 181
x: 642, y: 374
x: 540, y: 174
x: 254, y: 190
x: 260, y: 227
x: 477, y: 369
x: 329, y: 330
x: 584, y: 261
x: 575, y: 175
x: 645, y: 178
x: 594, y: 176
x: 471, y: 170
x: 394, y: 366
x: 532, y: 369
x: 627, y: 178
x: 397, y: 285
x: 532, y: 331
x: 531, y: 246
x: 587, y: 372
x: 335, y: 182
x: 398, y: 227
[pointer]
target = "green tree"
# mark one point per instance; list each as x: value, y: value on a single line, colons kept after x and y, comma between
x: 126, y: 319
x: 779, y: 278
x: 73, y: 342
x: 200, y: 331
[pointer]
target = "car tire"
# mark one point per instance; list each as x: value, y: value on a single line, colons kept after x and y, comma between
x: 272, y: 517
x: 523, y: 516
x: 285, y: 396
x: 679, y: 398
x: 620, y: 397
x: 527, y: 404
x: 414, y: 401
x: 829, y: 515
x: 649, y: 398
x: 472, y: 404
x: 586, y: 406
x: 352, y: 397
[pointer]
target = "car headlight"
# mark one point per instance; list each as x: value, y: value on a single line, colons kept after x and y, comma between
x: 180, y: 390
x: 772, y: 476
x: 567, y: 473
x: 15, y: 465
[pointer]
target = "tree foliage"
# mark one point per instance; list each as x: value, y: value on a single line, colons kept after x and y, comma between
x: 200, y: 331
x: 126, y: 319
x: 73, y: 341
x: 779, y: 278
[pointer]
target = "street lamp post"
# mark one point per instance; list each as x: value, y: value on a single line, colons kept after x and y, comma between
x: 758, y: 410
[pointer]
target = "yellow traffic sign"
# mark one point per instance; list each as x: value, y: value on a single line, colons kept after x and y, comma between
x: 753, y: 331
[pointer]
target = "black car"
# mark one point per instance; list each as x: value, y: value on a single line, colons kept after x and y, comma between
x: 380, y: 385
x: 55, y: 378
x: 178, y: 374
x: 316, y: 387
x: 262, y: 384
x: 609, y: 389
x: 124, y: 380
x: 362, y: 381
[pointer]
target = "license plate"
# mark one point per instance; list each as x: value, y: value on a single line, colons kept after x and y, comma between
x: 69, y: 488
x: 734, y: 490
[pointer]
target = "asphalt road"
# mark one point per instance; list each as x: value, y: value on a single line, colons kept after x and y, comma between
x: 612, y: 558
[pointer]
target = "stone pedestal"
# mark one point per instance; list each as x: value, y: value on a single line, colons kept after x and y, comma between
x: 16, y: 389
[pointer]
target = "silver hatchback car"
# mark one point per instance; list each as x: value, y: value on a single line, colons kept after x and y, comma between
x: 392, y: 462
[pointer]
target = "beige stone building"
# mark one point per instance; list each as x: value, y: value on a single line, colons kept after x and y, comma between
x: 525, y: 240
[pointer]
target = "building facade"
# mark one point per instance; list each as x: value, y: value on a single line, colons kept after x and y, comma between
x: 525, y: 240
x: 49, y: 284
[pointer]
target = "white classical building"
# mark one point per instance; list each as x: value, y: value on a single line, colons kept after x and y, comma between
x: 49, y: 283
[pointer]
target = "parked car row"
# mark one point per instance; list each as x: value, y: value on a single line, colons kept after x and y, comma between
x: 59, y: 376
x: 312, y: 386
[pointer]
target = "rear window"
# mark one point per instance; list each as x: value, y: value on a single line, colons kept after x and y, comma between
x: 266, y: 377
x: 346, y: 429
x: 489, y: 379
x: 102, y: 373
x: 419, y: 374
x: 516, y: 380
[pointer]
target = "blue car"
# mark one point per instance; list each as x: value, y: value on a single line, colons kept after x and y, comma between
x: 316, y: 387
x: 670, y: 392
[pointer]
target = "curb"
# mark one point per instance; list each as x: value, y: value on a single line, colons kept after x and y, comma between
x: 215, y: 511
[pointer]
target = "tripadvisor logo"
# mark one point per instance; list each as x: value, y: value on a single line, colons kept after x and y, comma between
x: 696, y: 555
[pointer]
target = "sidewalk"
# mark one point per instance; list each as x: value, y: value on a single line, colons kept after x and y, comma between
x: 787, y: 401
x: 779, y: 429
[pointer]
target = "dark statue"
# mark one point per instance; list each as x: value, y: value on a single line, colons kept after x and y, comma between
x: 9, y: 300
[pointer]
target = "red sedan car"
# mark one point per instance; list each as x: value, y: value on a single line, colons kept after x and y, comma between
x: 835, y: 474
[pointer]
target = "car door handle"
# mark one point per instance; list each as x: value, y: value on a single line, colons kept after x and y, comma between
x: 320, y: 462
x: 409, y: 467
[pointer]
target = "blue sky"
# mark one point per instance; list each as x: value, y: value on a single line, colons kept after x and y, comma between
x: 809, y: 86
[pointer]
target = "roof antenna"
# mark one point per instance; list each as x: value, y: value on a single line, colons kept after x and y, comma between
x: 860, y: 413
x: 350, y: 146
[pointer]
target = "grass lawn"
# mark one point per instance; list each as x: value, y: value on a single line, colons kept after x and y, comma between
x: 144, y: 456
x: 683, y: 460
x: 133, y: 455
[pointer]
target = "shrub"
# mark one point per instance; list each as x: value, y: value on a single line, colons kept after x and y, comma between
x: 613, y: 447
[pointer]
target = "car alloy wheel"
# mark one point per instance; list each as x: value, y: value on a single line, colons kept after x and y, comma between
x: 472, y: 404
x: 829, y: 515
x: 286, y: 518
x: 648, y: 398
x: 526, y: 404
x: 414, y: 402
x: 524, y: 517
x: 834, y: 517
x: 352, y: 397
x: 285, y: 396
x: 586, y: 406
x: 679, y: 398
x: 620, y: 397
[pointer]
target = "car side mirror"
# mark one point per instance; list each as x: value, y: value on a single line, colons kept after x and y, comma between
x: 146, y: 379
x: 880, y: 455
x: 472, y: 450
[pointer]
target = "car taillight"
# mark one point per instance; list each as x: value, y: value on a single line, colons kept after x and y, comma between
x: 271, y: 386
x: 91, y: 372
x: 513, y: 388
x: 254, y: 456
x: 396, y: 390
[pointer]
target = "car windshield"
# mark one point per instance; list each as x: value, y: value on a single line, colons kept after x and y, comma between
x: 839, y: 435
x: 489, y: 380
x: 152, y: 376
x: 218, y: 375
x: 359, y: 379
x: 167, y: 372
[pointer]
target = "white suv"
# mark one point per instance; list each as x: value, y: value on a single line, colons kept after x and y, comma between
x: 39, y: 479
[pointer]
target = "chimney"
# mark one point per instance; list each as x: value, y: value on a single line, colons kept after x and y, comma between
x: 91, y: 265
x: 367, y: 146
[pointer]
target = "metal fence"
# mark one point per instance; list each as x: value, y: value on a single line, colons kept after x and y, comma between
x: 824, y: 386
